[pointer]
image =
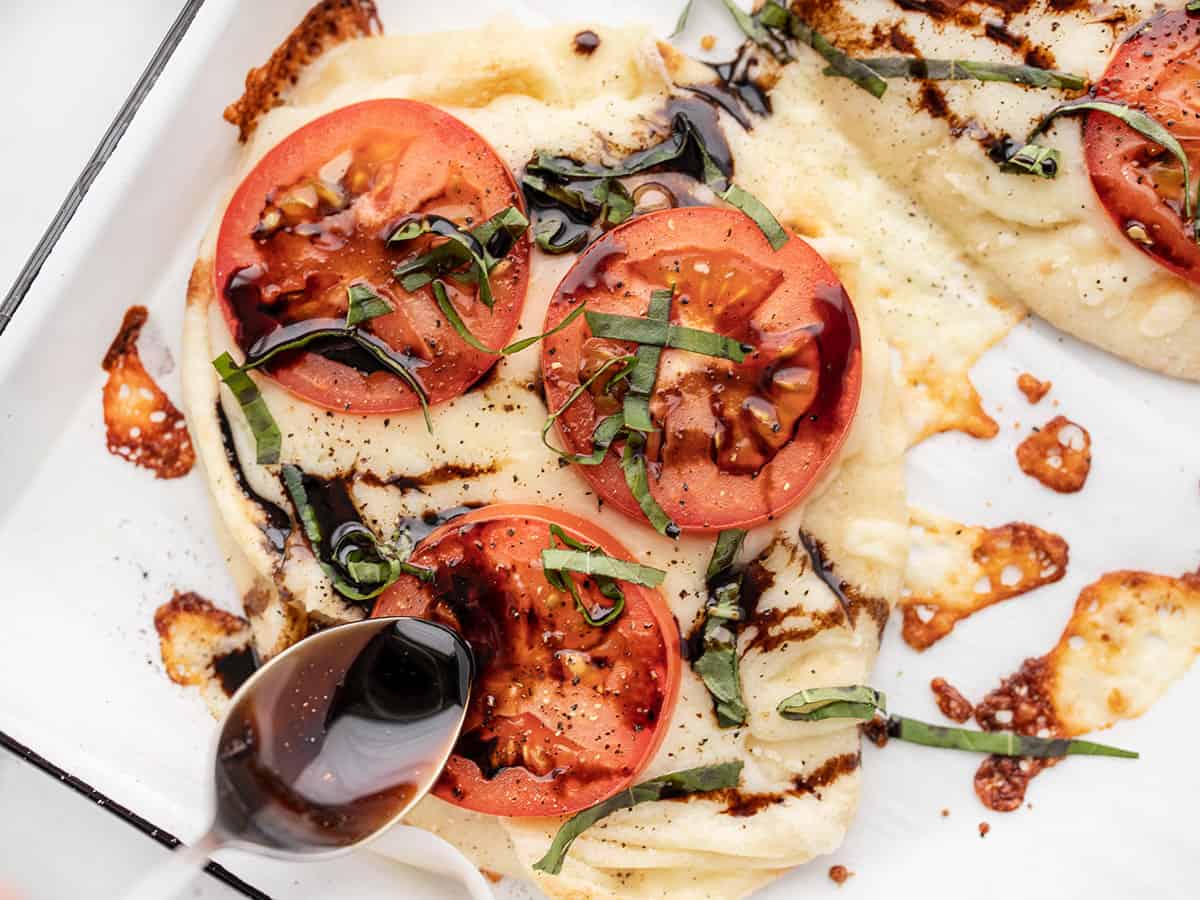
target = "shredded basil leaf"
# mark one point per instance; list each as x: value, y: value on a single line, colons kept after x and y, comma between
x: 518, y: 346
x: 618, y: 203
x: 755, y: 28
x: 499, y: 233
x: 559, y: 578
x: 360, y: 566
x: 456, y: 321
x: 599, y: 197
x: 969, y: 70
x: 645, y: 371
x: 548, y: 232
x: 717, y: 665
x: 557, y: 533
x: 604, y: 570
x: 636, y: 413
x: 369, y: 561
x: 741, y: 198
x: 592, y: 193
x: 842, y: 63
x: 681, y: 22
x: 1143, y: 124
x: 1032, y: 159
x: 1002, y: 743
x: 580, y: 191
x: 574, y: 200
x: 633, y: 466
x: 684, y: 139
x: 634, y: 421
x: 775, y: 18
x: 416, y: 272
x: 267, y: 438
x: 814, y: 704
x: 293, y: 480
x: 593, y: 562
x: 678, y: 784
x: 725, y: 553
x: 663, y: 334
x: 398, y: 366
x: 364, y: 304
x: 864, y: 703
x: 478, y: 250
x: 607, y: 430
x: 304, y: 334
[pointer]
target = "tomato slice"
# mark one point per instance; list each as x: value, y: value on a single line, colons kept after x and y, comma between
x: 563, y: 714
x: 314, y: 216
x: 1157, y: 70
x: 737, y: 444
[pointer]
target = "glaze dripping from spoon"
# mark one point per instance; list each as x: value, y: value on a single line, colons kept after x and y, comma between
x: 332, y: 742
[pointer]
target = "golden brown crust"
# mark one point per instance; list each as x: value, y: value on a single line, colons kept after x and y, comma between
x: 1007, y: 561
x: 1130, y: 634
x: 142, y: 424
x: 199, y: 287
x: 1023, y: 703
x: 191, y: 631
x: 951, y: 701
x: 1001, y: 781
x: 1033, y: 388
x: 216, y: 622
x: 839, y: 874
x: 326, y: 25
x: 127, y: 335
x: 1061, y: 463
x: 1113, y: 660
x: 959, y: 403
x: 204, y: 647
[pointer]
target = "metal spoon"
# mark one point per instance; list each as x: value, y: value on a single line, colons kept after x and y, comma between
x: 332, y: 741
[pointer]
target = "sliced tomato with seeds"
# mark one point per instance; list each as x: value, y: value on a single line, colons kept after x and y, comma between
x: 313, y: 217
x: 563, y: 714
x: 1157, y: 70
x: 736, y: 443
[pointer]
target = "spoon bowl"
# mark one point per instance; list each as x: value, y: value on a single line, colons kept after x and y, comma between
x: 334, y: 740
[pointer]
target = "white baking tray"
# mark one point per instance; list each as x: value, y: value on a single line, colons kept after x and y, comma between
x: 89, y: 546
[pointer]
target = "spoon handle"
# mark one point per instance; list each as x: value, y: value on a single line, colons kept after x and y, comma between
x: 168, y: 879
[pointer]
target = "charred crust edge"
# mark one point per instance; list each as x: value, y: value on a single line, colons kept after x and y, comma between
x: 127, y: 336
x: 323, y: 27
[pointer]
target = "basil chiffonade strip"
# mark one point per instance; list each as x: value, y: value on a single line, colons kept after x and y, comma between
x: 267, y: 438
x: 1139, y: 121
x: 479, y: 250
x: 717, y: 665
x: 865, y: 704
x: 633, y: 423
x: 678, y: 784
x: 606, y: 571
x: 447, y: 307
x: 587, y: 192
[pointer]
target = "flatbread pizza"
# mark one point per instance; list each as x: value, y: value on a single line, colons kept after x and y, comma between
x: 609, y: 358
x: 798, y: 443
